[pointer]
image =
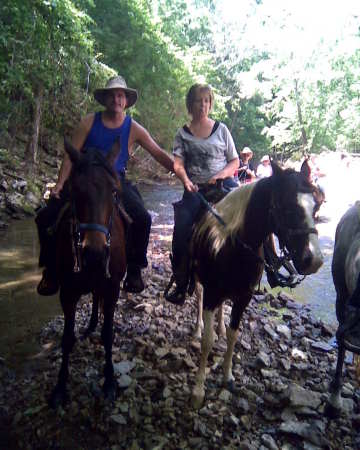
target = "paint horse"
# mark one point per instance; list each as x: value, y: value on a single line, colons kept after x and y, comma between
x: 228, y: 260
x: 345, y: 271
x: 90, y: 255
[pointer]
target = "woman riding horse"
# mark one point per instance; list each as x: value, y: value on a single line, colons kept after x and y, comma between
x: 204, y: 153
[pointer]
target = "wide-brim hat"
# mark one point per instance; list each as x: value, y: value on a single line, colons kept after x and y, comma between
x: 265, y: 158
x: 116, y: 83
x: 246, y: 151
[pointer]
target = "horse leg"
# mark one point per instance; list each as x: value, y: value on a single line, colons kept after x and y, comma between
x: 94, y: 317
x: 199, y: 320
x: 207, y: 342
x: 221, y: 329
x: 68, y: 302
x: 334, y: 404
x: 232, y: 333
x: 107, y: 335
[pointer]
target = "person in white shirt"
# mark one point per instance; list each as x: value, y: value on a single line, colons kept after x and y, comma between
x: 264, y: 169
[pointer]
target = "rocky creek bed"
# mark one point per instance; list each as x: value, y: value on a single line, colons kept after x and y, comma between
x: 283, y: 364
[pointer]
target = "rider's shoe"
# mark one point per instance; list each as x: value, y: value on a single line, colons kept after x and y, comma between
x: 133, y: 282
x: 48, y: 284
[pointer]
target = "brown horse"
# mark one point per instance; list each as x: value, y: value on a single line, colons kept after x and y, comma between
x: 228, y: 260
x: 90, y: 255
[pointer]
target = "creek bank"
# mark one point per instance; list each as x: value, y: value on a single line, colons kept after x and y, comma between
x: 283, y: 364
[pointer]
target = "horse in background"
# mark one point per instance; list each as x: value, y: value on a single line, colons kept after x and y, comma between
x: 90, y: 255
x: 345, y: 270
x: 228, y: 260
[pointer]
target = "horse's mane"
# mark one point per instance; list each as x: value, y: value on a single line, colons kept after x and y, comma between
x: 232, y: 210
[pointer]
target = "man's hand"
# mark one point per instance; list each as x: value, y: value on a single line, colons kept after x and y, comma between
x: 55, y: 191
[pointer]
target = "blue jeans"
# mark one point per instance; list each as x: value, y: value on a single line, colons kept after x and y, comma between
x: 186, y: 212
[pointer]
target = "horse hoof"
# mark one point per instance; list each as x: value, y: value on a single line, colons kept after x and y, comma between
x: 58, y: 398
x: 331, y: 411
x: 197, y: 398
x: 110, y: 391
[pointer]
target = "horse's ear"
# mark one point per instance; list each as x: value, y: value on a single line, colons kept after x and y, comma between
x: 305, y: 169
x: 114, y: 153
x: 74, y: 154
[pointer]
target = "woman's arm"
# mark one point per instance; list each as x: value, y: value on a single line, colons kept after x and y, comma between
x: 180, y: 171
x: 227, y: 171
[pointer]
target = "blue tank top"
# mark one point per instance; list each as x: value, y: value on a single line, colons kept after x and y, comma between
x: 103, y: 138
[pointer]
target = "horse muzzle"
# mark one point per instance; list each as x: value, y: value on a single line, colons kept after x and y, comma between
x: 310, y: 261
x: 95, y: 261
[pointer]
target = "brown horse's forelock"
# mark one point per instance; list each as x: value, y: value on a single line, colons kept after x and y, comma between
x: 93, y: 157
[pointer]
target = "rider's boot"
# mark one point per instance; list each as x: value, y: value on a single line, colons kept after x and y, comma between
x: 176, y: 293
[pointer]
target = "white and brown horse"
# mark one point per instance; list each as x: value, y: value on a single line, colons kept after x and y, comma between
x: 228, y: 260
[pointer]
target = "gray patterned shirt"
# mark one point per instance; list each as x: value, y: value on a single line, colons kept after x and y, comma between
x: 204, y: 157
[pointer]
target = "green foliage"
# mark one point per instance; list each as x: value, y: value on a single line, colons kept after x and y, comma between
x: 284, y: 100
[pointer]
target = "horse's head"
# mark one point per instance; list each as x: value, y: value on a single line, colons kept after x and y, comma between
x: 93, y: 184
x: 292, y: 216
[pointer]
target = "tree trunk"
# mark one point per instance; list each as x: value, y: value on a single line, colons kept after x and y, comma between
x: 31, y: 152
x: 303, y: 132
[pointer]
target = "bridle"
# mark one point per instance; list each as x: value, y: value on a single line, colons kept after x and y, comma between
x: 78, y: 228
x: 285, y: 233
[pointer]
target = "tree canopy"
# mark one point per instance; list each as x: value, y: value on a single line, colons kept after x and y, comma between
x: 280, y: 87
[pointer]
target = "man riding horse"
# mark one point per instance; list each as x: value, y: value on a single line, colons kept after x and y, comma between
x: 100, y: 130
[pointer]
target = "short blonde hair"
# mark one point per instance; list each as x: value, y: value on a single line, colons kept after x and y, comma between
x: 191, y: 95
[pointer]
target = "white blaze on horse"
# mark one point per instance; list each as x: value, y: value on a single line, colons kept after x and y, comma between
x: 228, y: 260
x: 345, y: 271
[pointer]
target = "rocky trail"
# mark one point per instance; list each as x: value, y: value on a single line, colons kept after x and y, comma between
x: 283, y: 364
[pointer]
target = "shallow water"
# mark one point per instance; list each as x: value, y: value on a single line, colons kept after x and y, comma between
x: 23, y: 312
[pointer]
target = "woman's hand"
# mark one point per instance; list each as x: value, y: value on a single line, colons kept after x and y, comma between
x: 190, y: 186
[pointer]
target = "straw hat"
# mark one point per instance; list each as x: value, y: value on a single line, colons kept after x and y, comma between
x: 265, y: 158
x: 246, y: 151
x: 116, y: 83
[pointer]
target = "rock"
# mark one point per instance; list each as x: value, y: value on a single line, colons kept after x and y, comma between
x: 262, y: 360
x: 269, y: 442
x: 123, y: 367
x: 118, y: 419
x: 304, y: 430
x: 298, y: 396
x: 323, y: 346
x: 124, y: 381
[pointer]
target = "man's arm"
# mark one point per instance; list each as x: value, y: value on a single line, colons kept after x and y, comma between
x: 142, y: 137
x: 78, y: 140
